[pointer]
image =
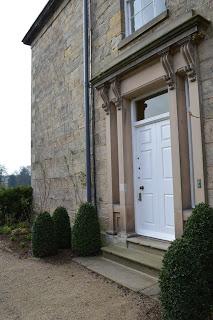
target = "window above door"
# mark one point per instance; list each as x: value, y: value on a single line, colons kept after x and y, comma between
x: 139, y: 12
x: 152, y: 106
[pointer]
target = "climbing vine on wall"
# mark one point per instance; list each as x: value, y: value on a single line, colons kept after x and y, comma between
x: 78, y: 179
x: 43, y: 185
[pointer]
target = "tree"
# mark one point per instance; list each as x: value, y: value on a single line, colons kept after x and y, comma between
x: 24, y: 176
x: 3, y: 172
x: 12, y: 181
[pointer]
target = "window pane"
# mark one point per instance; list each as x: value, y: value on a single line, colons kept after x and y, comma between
x: 157, y: 105
x: 141, y: 12
x: 137, y: 21
x: 147, y: 2
x: 135, y: 15
x: 135, y: 7
x: 152, y: 107
x: 160, y: 6
x: 148, y: 13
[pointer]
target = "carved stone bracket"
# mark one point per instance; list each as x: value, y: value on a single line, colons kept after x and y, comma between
x: 104, y: 92
x: 187, y: 50
x: 115, y: 85
x: 166, y: 60
x: 198, y: 37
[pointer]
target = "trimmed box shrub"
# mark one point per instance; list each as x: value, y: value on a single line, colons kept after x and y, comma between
x: 62, y: 228
x: 186, y: 276
x: 199, y: 230
x: 86, y: 238
x: 43, y: 236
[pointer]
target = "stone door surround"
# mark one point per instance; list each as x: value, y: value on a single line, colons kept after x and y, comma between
x: 168, y: 69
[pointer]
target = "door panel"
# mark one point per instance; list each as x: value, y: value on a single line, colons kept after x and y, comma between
x: 146, y: 165
x: 148, y: 203
x: 154, y: 181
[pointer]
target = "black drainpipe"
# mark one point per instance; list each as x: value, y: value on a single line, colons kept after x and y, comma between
x: 86, y: 97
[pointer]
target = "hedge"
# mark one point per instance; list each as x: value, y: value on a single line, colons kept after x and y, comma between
x: 16, y: 204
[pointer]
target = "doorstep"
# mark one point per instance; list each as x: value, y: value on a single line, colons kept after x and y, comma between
x: 157, y: 246
x: 140, y: 260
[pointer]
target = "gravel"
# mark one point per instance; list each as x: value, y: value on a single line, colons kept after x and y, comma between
x: 59, y: 289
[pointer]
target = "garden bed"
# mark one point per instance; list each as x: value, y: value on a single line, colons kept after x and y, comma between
x: 16, y: 239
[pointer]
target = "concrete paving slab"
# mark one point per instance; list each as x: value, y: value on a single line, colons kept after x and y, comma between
x: 153, y: 291
x: 127, y: 277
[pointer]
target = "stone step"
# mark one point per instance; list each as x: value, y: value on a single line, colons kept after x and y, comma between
x: 150, y: 245
x: 125, y: 276
x: 146, y: 262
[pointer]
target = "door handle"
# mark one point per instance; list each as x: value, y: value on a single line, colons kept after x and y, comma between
x: 141, y: 187
x: 140, y: 196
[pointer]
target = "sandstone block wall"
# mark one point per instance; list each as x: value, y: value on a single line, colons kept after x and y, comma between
x: 58, y: 143
x: 58, y: 150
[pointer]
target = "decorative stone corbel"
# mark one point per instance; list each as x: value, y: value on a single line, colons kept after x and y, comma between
x: 166, y: 60
x: 104, y: 92
x: 115, y: 85
x: 198, y: 37
x: 187, y: 50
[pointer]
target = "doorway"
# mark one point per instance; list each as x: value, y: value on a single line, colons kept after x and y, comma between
x: 152, y: 162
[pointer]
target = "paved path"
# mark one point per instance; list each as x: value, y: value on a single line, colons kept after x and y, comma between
x: 59, y: 289
x: 127, y: 277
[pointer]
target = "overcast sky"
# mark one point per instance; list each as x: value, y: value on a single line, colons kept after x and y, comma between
x: 15, y: 95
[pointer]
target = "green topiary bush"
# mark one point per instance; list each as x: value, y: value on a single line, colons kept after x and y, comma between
x: 86, y: 239
x: 199, y: 230
x: 43, y: 236
x: 62, y: 228
x: 186, y: 276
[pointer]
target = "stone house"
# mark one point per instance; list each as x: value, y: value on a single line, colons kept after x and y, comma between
x: 151, y: 112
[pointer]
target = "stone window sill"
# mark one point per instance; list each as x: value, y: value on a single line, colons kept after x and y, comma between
x: 124, y: 42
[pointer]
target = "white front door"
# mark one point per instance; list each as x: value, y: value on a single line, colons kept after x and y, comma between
x: 154, y: 206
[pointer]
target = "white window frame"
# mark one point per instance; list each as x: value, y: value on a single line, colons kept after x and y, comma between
x: 127, y: 9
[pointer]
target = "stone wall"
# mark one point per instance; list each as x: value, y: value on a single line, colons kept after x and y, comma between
x: 58, y: 143
x: 58, y: 150
x: 108, y: 31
